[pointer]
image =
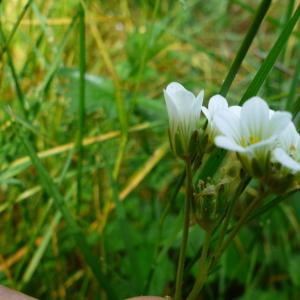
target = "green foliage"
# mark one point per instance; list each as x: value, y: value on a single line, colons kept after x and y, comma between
x: 82, y: 105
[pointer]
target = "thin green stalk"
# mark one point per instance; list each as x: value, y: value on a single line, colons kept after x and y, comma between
x: 241, y: 187
x: 203, y: 270
x: 186, y: 223
x: 270, y: 205
x: 81, y: 105
x: 19, y: 92
x: 239, y: 225
x: 121, y: 151
x: 16, y: 25
x: 259, y: 16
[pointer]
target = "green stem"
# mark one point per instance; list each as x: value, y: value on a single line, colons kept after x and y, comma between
x: 203, y: 270
x: 238, y: 226
x: 187, y: 208
x: 242, y: 185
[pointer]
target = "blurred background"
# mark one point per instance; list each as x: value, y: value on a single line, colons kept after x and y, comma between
x: 133, y: 49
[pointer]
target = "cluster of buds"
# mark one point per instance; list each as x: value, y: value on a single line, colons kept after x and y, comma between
x: 209, y: 204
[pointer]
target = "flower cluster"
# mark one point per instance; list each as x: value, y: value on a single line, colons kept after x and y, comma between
x: 264, y: 140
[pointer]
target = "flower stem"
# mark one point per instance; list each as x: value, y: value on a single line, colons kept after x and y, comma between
x: 187, y: 208
x: 203, y: 270
x: 238, y: 226
x: 241, y: 187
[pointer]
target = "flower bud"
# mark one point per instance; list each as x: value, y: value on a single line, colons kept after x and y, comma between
x: 209, y: 206
x: 184, y: 112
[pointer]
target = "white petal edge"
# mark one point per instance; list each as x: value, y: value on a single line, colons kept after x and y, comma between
x: 206, y: 113
x: 174, y: 87
x: 282, y: 157
x: 228, y: 144
x: 280, y: 120
x: 228, y: 124
x: 197, y: 106
x: 289, y: 137
x: 216, y: 103
x: 171, y: 108
x: 236, y: 109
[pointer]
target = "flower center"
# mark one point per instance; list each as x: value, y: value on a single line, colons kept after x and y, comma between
x: 252, y: 139
x: 292, y: 151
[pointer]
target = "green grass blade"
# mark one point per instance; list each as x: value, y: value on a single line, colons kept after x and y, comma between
x: 57, y: 59
x: 270, y: 205
x: 16, y: 25
x: 296, y: 108
x: 81, y: 105
x: 74, y: 229
x: 294, y: 84
x: 269, y: 62
x: 19, y: 92
x: 36, y: 258
x: 269, y: 19
x: 259, y: 16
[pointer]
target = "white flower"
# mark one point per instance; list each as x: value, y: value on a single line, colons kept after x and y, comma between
x: 288, y: 151
x: 252, y: 132
x: 216, y: 104
x: 184, y: 112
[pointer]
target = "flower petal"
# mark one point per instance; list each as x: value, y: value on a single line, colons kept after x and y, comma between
x: 197, y: 105
x: 184, y: 101
x: 216, y: 103
x: 171, y: 108
x: 279, y: 122
x: 255, y: 117
x: 200, y: 97
x: 206, y: 112
x: 228, y: 124
x: 282, y: 157
x: 264, y: 144
x: 228, y: 144
x: 174, y: 87
x: 236, y: 109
